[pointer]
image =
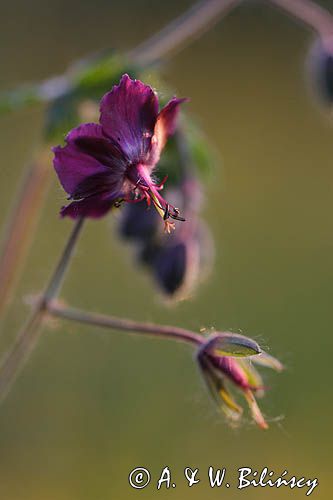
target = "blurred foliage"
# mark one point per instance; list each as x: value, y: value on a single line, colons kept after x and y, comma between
x: 23, y: 96
x: 203, y: 156
x: 91, y: 80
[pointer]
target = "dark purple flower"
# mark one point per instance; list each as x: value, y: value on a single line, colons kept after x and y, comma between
x: 104, y: 164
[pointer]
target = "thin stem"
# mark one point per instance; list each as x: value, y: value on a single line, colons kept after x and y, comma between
x: 15, y: 359
x: 115, y: 323
x: 309, y: 13
x: 22, y: 223
x: 182, y: 30
x: 59, y: 273
x: 27, y: 339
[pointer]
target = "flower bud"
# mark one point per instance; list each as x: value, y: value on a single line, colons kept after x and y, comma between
x: 219, y: 370
x: 137, y: 222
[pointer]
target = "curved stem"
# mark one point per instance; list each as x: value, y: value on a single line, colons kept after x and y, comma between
x: 182, y: 30
x: 309, y: 13
x: 30, y: 333
x: 104, y: 321
x: 170, y: 39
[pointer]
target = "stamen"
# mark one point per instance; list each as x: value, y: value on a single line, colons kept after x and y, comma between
x: 177, y: 217
x: 169, y: 226
x: 160, y: 186
x: 136, y: 185
x: 166, y: 213
x: 150, y: 192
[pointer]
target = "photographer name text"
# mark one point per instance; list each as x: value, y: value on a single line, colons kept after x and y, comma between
x: 140, y: 478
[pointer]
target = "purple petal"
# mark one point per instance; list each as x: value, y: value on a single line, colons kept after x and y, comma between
x: 165, y: 126
x: 232, y: 369
x: 91, y: 130
x: 90, y: 139
x: 87, y: 155
x: 128, y: 117
x: 94, y: 207
x: 167, y: 117
x: 217, y: 387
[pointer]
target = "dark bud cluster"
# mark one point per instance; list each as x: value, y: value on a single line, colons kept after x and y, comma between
x: 176, y: 261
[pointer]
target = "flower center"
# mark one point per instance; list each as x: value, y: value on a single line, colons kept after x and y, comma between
x: 145, y: 188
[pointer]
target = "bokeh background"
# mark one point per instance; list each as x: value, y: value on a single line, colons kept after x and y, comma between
x: 91, y: 405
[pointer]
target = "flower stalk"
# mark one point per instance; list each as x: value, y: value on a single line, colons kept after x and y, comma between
x: 124, y: 324
x: 182, y: 30
x: 223, y: 357
x: 27, y: 339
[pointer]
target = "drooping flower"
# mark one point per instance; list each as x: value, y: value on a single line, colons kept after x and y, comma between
x: 104, y: 164
x: 228, y: 358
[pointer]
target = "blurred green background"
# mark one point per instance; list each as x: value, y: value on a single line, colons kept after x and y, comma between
x: 91, y: 405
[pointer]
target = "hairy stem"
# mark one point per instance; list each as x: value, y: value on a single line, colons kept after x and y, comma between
x: 27, y: 339
x: 115, y: 323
